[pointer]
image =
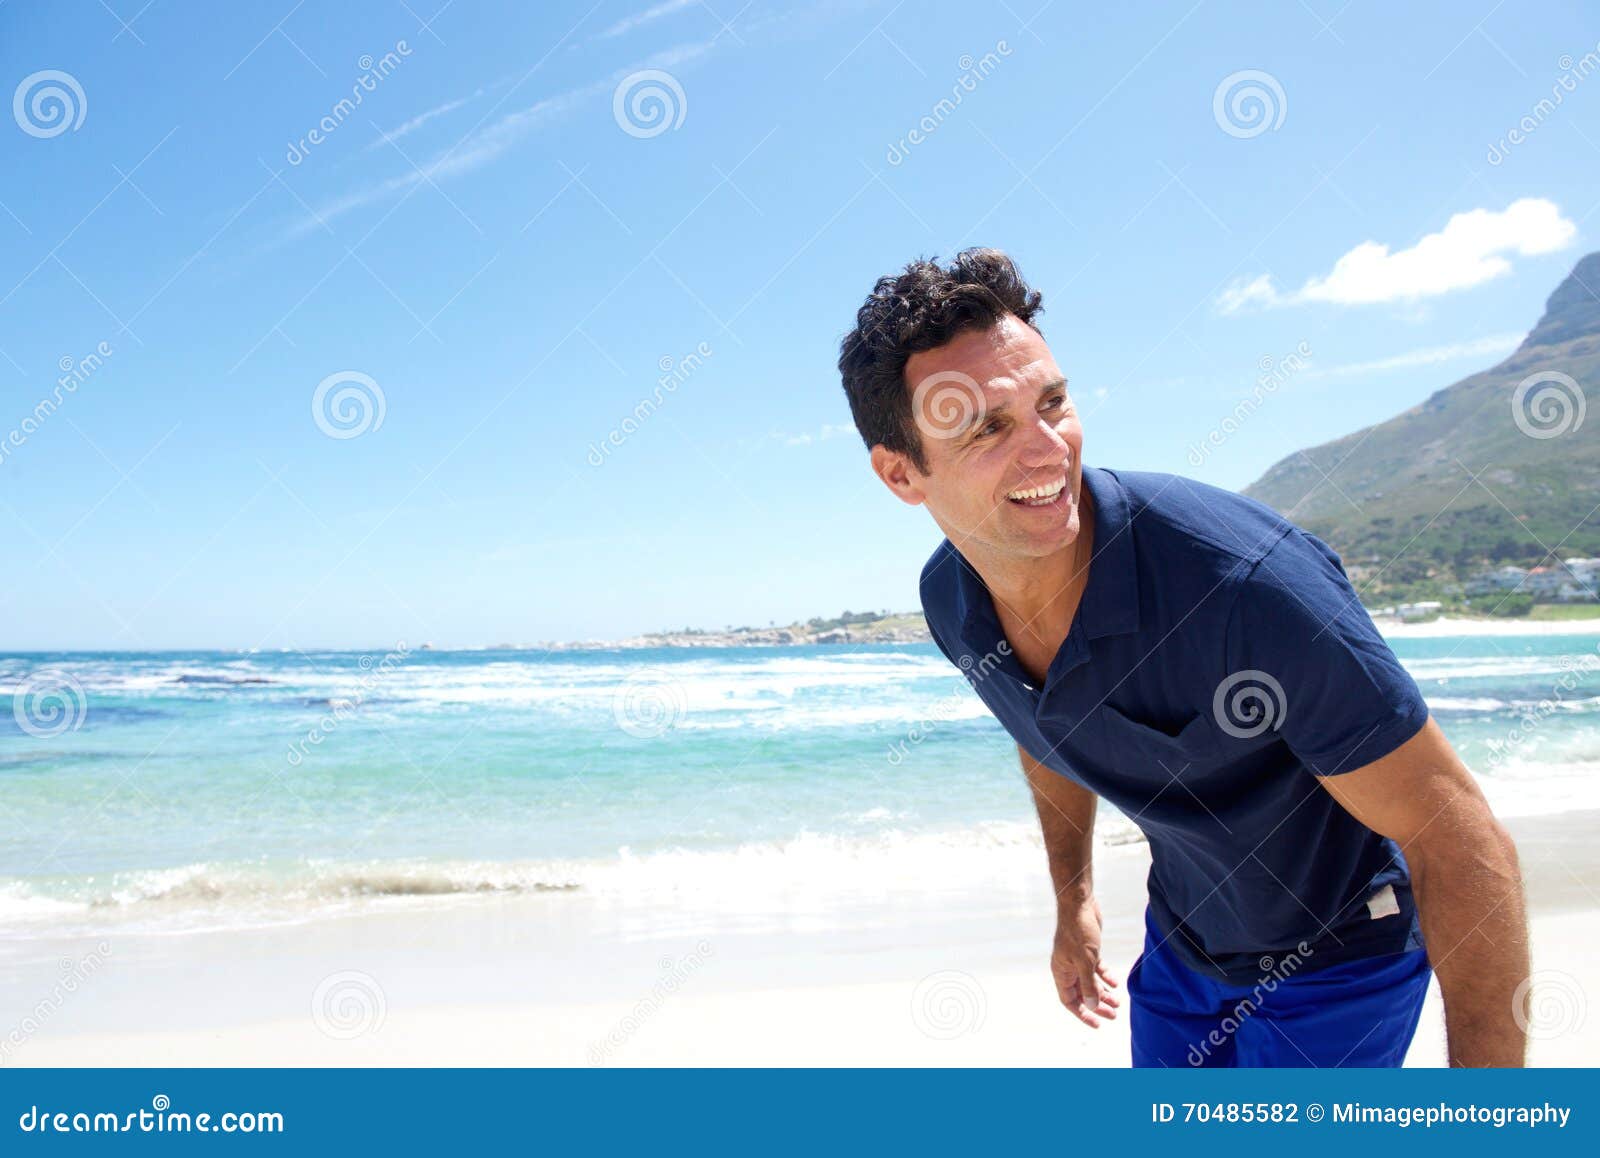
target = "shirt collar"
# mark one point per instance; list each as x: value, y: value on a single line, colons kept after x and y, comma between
x: 1110, y: 604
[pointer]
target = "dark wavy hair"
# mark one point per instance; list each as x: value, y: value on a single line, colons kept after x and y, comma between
x: 923, y: 307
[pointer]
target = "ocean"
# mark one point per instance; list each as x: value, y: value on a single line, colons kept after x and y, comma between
x: 174, y: 791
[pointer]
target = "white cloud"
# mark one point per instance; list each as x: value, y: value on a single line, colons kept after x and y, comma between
x: 421, y: 119
x: 1244, y: 293
x: 1472, y: 248
x: 1429, y: 356
x: 830, y: 430
x: 629, y: 23
x: 483, y: 145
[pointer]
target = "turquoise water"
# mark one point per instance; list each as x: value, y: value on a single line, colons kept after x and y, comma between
x: 203, y: 786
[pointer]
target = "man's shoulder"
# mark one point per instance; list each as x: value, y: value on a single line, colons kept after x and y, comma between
x: 1265, y: 566
x: 1169, y: 509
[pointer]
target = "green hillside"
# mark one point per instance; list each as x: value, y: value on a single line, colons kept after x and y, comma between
x: 1423, y: 522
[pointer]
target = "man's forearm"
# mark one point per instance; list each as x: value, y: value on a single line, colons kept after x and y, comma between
x: 1468, y: 889
x: 1066, y: 816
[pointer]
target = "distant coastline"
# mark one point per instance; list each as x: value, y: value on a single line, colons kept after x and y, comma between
x: 909, y: 627
x: 849, y: 628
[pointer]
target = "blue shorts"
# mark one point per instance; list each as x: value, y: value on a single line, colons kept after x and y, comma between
x: 1356, y: 1013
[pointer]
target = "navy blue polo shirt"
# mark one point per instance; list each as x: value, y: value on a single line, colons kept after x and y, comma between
x: 1219, y: 661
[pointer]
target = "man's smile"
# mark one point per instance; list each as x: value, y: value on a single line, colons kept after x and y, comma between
x: 1047, y: 495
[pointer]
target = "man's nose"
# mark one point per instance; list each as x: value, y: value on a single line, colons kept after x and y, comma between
x: 1045, y: 446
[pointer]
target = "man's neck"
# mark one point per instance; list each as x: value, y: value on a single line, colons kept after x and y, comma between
x: 1044, y: 593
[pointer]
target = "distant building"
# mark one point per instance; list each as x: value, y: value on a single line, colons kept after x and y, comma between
x: 1586, y: 577
x: 1416, y: 612
x: 1500, y: 579
x: 1569, y: 581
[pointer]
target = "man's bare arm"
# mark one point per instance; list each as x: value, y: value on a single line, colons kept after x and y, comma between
x: 1066, y: 816
x: 1467, y: 884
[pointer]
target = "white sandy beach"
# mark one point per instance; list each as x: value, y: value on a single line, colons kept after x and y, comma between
x: 1445, y: 625
x: 892, y: 977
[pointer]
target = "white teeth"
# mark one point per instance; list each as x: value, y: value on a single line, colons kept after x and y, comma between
x: 1044, y: 492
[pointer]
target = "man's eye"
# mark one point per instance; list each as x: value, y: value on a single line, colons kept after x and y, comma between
x: 989, y: 428
x: 1056, y: 401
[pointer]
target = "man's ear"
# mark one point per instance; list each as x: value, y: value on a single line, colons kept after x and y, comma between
x: 898, y: 474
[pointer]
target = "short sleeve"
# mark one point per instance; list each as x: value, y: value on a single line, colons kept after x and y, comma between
x: 1301, y: 645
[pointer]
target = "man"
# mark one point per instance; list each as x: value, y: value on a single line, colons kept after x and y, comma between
x: 1317, y: 847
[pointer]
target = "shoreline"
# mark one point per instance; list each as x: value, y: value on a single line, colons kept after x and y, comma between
x: 909, y: 975
x: 900, y: 633
x: 1446, y: 626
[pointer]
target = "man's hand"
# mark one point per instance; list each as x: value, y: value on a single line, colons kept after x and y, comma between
x: 1082, y: 980
x: 1066, y: 817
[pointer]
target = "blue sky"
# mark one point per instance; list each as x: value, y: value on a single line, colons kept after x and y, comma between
x: 504, y: 249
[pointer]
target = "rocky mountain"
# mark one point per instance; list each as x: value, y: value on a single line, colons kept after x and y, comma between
x: 1501, y: 467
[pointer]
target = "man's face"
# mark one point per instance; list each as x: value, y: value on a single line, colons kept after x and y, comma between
x: 996, y: 423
